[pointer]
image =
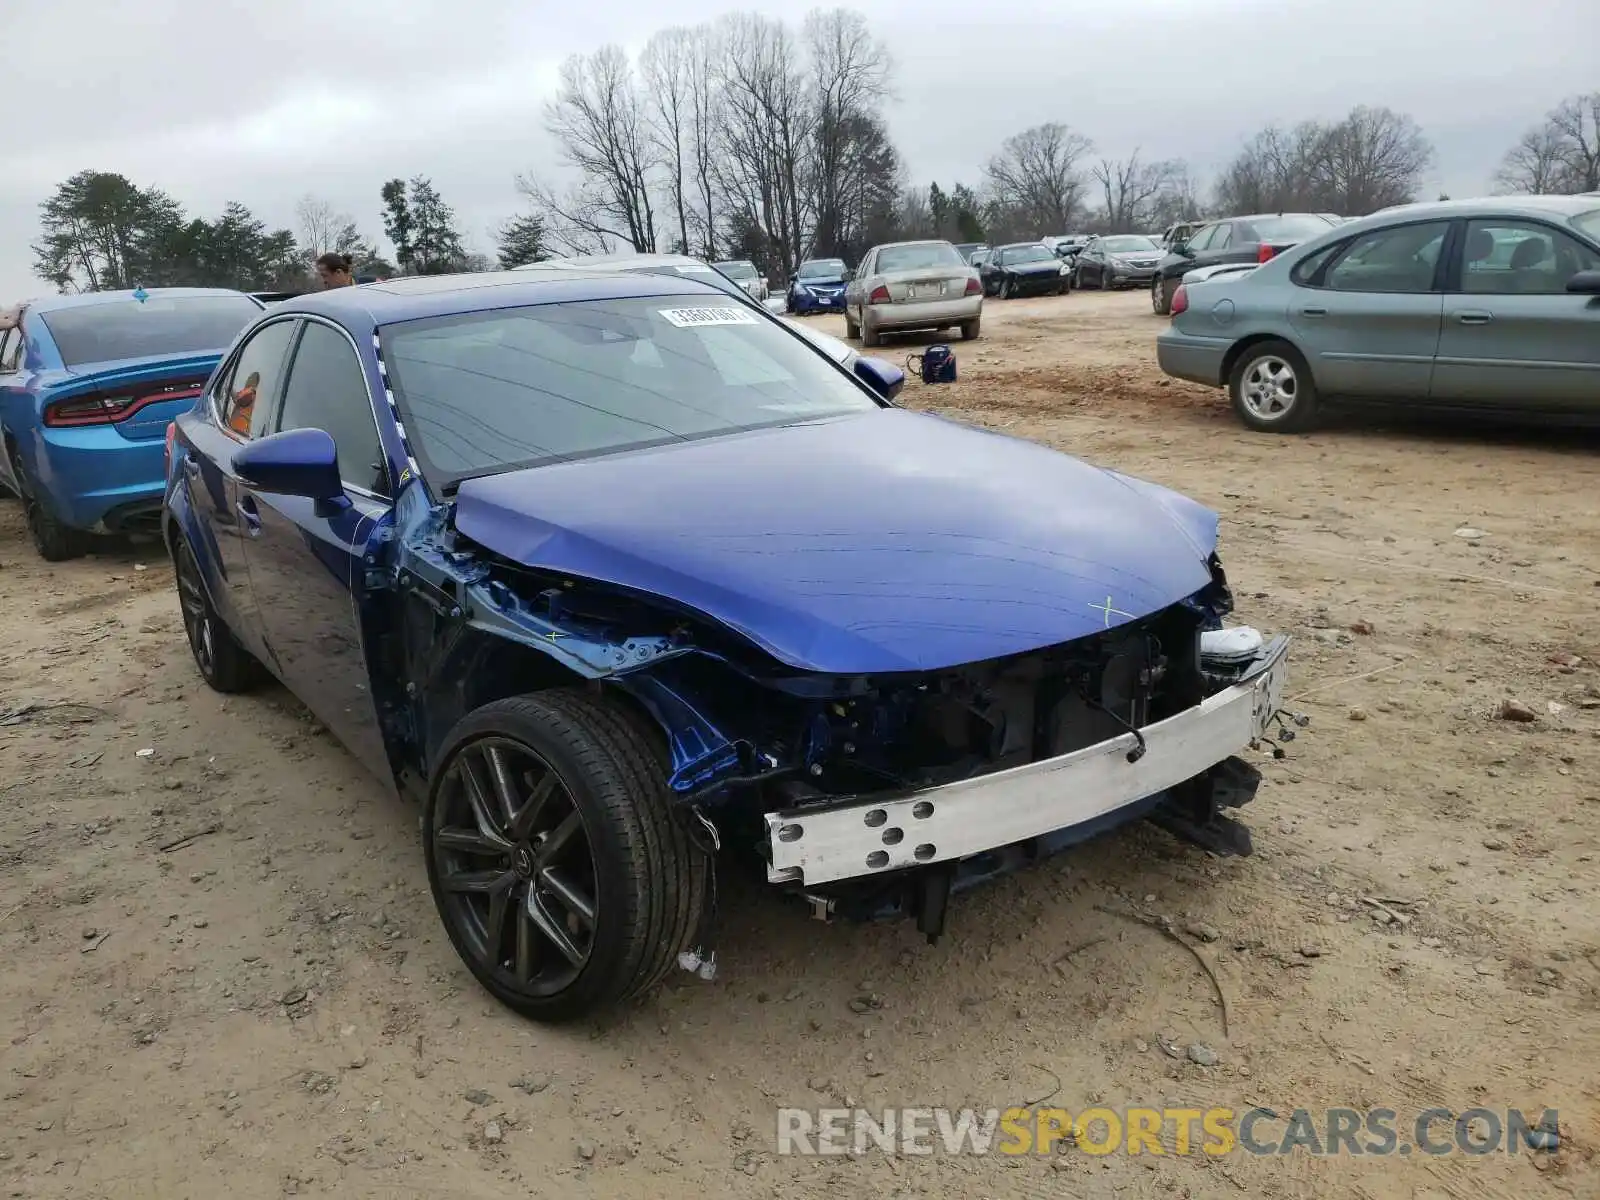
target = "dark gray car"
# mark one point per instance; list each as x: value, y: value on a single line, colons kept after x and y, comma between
x: 1470, y: 305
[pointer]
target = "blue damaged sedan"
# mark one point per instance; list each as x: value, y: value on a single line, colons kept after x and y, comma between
x: 630, y: 584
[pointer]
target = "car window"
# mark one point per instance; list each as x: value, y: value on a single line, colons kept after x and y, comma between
x: 1400, y: 258
x: 1305, y: 271
x: 1291, y: 227
x: 1512, y: 258
x: 926, y: 256
x: 520, y: 387
x: 1221, y: 238
x: 1202, y: 238
x: 10, y: 350
x: 124, y: 327
x: 247, y: 393
x: 327, y: 390
x: 1589, y: 222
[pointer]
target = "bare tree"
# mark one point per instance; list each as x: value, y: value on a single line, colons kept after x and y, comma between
x: 1535, y: 165
x: 319, y: 225
x: 1272, y: 173
x: 666, y: 67
x: 599, y: 121
x: 849, y: 71
x: 1037, y: 176
x: 765, y: 124
x: 1372, y: 159
x: 1131, y: 188
x: 1576, y: 121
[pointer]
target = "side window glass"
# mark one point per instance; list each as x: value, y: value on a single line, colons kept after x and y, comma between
x: 1398, y: 259
x: 10, y: 350
x: 1221, y: 238
x: 327, y: 390
x: 1202, y: 237
x: 1520, y: 258
x: 257, y: 372
x: 1306, y: 269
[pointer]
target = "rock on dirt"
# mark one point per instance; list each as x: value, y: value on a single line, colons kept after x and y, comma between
x: 1515, y: 710
x: 1202, y: 1055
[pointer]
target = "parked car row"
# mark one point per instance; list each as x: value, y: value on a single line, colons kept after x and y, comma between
x: 1472, y: 306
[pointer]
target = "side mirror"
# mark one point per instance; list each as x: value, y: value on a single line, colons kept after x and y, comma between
x: 882, y: 377
x: 849, y: 274
x: 1585, y: 283
x: 296, y: 462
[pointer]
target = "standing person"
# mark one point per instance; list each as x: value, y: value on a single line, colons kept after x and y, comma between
x: 335, y: 270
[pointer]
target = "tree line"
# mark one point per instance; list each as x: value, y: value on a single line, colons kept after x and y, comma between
x: 749, y: 137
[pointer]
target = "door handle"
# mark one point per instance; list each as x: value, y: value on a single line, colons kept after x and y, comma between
x: 1474, y: 317
x: 246, y: 508
x: 1313, y: 312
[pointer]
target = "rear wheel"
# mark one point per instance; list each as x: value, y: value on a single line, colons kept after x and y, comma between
x: 565, y: 879
x: 1161, y: 296
x: 970, y: 329
x: 224, y: 664
x: 851, y: 329
x: 54, y: 540
x: 869, y: 335
x: 1272, y: 390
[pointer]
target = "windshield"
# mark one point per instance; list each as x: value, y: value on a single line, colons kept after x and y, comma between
x: 1027, y: 254
x: 1129, y: 244
x: 120, y: 329
x: 918, y: 257
x: 1589, y: 222
x: 1296, y: 227
x: 738, y: 270
x: 494, y: 391
x: 822, y: 268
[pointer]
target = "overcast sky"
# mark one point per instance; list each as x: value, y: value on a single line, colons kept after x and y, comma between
x: 264, y: 103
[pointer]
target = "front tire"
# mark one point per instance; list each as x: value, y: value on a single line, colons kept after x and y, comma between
x: 1005, y: 289
x: 1272, y: 389
x: 565, y: 879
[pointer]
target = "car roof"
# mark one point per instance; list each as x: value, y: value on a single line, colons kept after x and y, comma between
x: 49, y: 304
x: 415, y: 297
x: 915, y: 242
x: 581, y: 262
x: 1530, y: 206
x: 1021, y: 246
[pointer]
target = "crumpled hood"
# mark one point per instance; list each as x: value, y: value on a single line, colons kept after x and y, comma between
x: 878, y: 542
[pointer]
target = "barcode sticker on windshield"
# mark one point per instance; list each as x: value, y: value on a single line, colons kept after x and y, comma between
x: 686, y: 318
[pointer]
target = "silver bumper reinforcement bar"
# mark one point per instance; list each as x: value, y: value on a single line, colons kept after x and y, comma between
x: 942, y: 824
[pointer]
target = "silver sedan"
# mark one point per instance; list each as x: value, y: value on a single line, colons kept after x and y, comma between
x: 1464, y: 305
x: 912, y: 285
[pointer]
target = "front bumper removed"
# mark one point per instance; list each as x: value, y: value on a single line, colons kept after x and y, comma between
x: 1089, y: 788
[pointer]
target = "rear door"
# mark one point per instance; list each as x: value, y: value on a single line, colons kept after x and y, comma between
x: 1366, y: 312
x: 241, y: 396
x: 1513, y: 336
x: 306, y: 561
x: 13, y: 395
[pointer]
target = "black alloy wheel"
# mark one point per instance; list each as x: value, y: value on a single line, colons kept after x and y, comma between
x: 514, y: 867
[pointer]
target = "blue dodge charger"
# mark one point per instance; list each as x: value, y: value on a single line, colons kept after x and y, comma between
x: 612, y: 573
x: 88, y: 386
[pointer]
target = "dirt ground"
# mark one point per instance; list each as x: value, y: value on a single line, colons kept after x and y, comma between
x: 223, y: 974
